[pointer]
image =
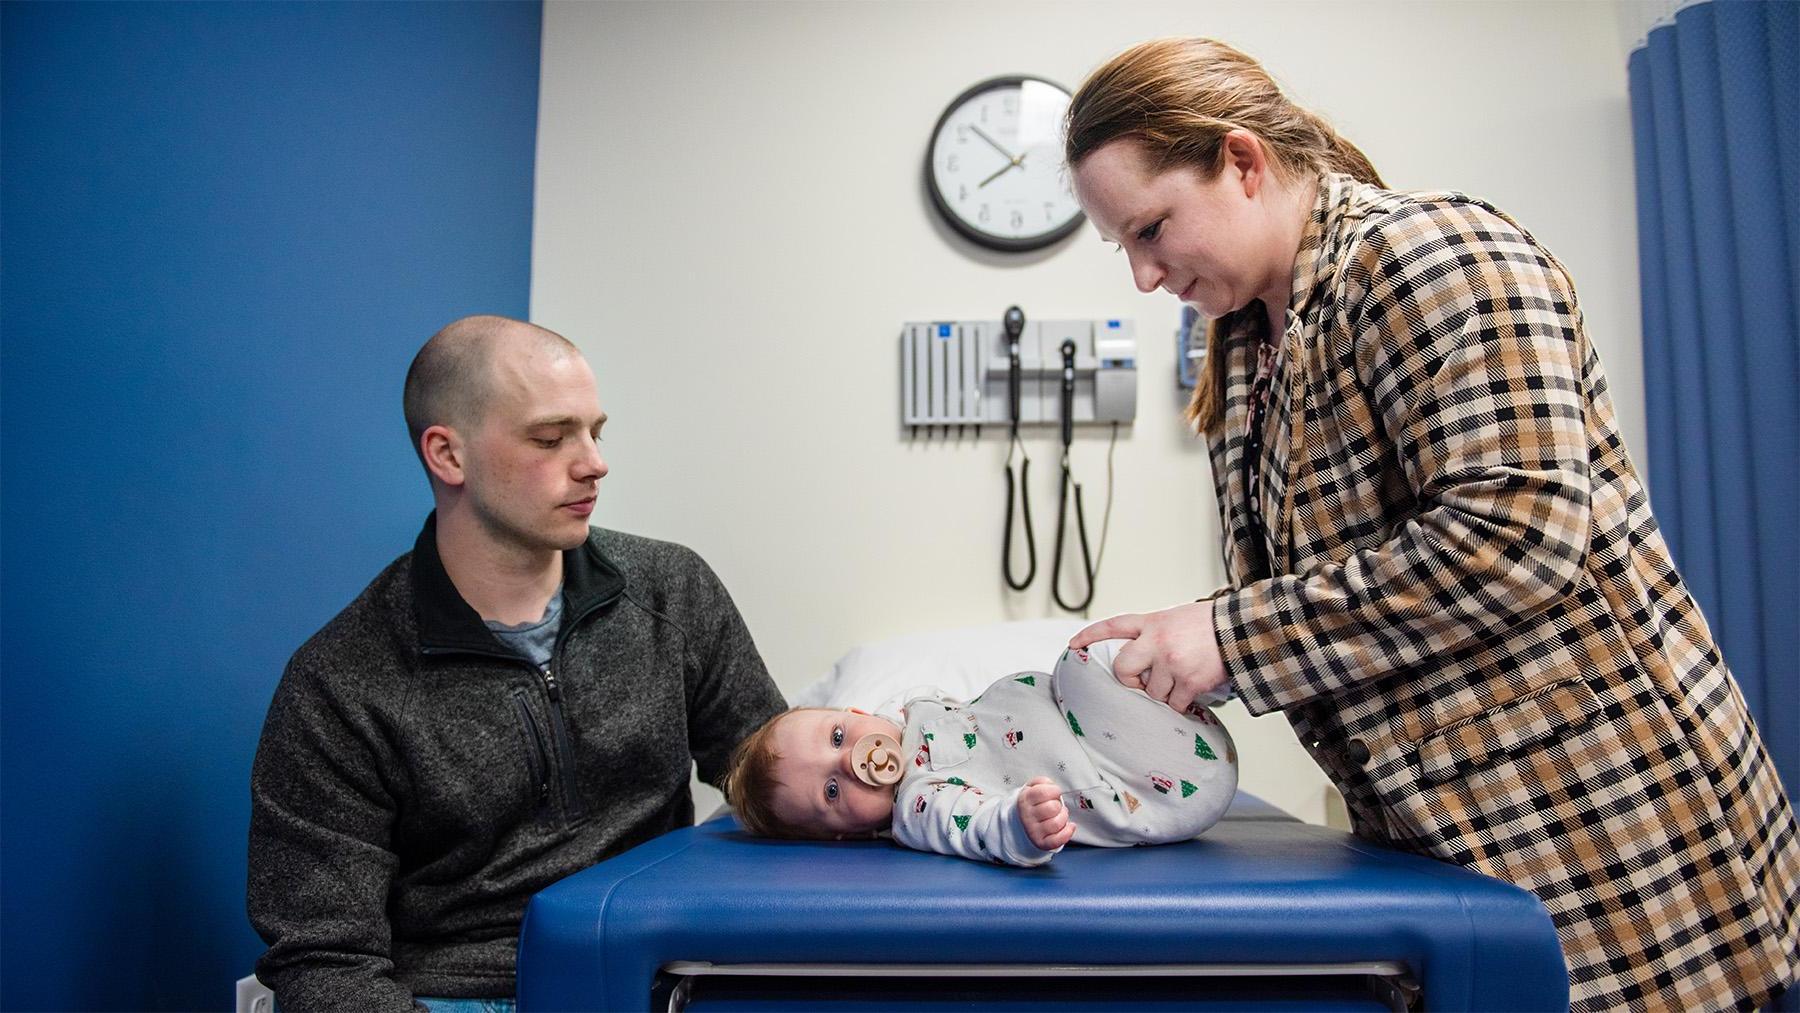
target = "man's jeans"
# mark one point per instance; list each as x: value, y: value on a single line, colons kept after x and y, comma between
x: 436, y: 1005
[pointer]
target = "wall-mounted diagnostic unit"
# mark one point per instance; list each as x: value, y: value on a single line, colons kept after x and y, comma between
x: 1017, y: 372
x: 959, y: 373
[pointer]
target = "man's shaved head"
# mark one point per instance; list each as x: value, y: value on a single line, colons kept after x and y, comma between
x: 452, y: 377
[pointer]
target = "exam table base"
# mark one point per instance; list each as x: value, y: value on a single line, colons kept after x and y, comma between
x: 701, y: 987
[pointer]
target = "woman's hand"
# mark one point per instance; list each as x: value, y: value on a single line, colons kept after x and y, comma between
x: 1045, y: 817
x: 1173, y: 654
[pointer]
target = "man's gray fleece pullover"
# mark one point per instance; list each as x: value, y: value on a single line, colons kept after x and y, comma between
x: 416, y: 782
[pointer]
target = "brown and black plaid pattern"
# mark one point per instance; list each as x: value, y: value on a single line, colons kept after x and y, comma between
x: 1471, y: 619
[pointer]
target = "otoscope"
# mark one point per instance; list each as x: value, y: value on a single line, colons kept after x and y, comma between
x: 1062, y: 505
x: 1015, y: 326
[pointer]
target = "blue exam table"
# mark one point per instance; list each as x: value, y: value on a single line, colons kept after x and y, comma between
x: 1263, y: 912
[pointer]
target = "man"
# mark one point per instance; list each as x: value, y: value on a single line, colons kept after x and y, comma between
x: 517, y: 698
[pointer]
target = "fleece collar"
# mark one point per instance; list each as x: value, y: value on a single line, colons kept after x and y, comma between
x: 449, y: 623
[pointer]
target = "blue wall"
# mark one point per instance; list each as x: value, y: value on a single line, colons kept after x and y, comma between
x: 226, y: 230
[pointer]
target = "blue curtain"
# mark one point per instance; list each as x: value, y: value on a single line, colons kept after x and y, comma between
x: 1715, y: 105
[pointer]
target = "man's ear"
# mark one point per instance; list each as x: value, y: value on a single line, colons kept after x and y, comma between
x: 1245, y: 155
x: 442, y: 449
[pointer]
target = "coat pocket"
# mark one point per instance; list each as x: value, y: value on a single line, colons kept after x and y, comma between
x: 1555, y: 710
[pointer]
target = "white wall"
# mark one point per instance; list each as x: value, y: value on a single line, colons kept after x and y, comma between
x: 731, y: 224
x: 1637, y: 17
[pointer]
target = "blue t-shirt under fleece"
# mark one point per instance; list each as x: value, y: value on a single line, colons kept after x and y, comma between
x: 533, y: 641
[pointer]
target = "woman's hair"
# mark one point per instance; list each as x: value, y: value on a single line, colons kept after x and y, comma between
x: 750, y: 784
x: 1178, y: 98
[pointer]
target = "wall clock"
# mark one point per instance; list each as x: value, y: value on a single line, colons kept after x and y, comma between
x: 995, y: 169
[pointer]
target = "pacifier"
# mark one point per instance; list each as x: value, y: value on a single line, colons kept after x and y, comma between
x: 877, y: 760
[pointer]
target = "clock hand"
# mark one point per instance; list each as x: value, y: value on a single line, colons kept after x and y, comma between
x: 1018, y: 161
x: 983, y: 135
x: 997, y: 174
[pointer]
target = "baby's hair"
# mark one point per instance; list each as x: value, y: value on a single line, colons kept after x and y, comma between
x: 750, y: 784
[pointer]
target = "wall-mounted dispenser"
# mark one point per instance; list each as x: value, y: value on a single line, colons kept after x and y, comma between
x: 1190, y: 347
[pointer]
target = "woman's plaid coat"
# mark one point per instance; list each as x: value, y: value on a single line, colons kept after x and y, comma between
x: 1463, y: 605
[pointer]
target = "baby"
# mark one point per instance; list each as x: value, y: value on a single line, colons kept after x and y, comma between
x: 1037, y: 760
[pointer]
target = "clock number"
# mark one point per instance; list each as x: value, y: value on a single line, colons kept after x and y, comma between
x: 962, y: 134
x: 962, y: 193
x: 983, y: 216
x: 1049, y: 211
x: 1018, y: 219
x: 951, y: 166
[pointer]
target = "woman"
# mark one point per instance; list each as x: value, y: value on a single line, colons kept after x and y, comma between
x: 1443, y: 566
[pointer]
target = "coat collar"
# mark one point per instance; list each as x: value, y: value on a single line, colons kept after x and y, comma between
x: 1315, y: 265
x: 1314, y: 276
x: 448, y: 623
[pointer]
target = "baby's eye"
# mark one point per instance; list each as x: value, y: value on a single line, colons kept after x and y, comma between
x: 837, y: 738
x: 831, y: 790
x: 1149, y: 232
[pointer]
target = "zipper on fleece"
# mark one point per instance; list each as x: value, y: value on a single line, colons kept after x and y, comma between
x: 565, y: 752
x: 559, y: 723
x: 536, y: 755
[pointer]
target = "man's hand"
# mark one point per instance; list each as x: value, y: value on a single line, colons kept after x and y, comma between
x: 1173, y: 654
x: 1045, y: 817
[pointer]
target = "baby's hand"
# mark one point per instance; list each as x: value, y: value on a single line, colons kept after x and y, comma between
x: 1046, y: 818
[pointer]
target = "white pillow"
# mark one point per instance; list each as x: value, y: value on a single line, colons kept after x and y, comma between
x: 960, y: 662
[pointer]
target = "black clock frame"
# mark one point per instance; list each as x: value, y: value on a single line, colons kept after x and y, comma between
x: 1002, y: 243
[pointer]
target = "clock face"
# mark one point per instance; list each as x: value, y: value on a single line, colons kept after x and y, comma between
x: 995, y: 169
